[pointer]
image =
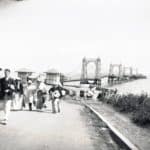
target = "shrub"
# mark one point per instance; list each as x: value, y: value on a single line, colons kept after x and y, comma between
x: 137, y: 105
x: 142, y: 114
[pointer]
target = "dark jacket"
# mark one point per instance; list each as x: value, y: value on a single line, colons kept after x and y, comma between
x: 53, y: 89
x: 5, y: 88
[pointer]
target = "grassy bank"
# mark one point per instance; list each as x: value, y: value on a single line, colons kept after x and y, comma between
x: 137, y: 106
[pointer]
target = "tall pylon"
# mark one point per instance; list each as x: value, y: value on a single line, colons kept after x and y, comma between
x: 113, y: 66
x: 85, y: 62
x: 130, y: 69
x: 84, y: 69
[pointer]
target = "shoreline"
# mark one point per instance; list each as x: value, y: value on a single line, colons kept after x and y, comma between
x: 133, y: 87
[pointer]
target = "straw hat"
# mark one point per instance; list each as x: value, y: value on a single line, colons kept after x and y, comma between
x: 29, y: 81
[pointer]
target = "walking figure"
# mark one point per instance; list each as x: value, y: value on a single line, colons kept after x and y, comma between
x: 19, y: 92
x: 7, y: 85
x: 55, y: 94
x: 41, y: 94
x: 30, y: 95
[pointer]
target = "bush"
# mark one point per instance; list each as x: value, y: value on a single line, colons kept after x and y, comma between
x: 137, y: 105
x: 141, y: 117
x: 142, y: 114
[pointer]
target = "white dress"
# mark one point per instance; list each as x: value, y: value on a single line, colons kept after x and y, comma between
x: 30, y: 93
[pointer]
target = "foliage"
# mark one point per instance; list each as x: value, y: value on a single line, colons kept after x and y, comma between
x: 135, y: 105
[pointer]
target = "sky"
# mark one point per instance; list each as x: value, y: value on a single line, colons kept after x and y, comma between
x: 44, y: 34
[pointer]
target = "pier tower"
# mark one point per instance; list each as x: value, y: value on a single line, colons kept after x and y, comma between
x: 127, y: 72
x: 84, y: 74
x: 113, y: 77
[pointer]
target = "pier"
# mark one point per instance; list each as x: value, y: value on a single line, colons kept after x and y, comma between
x: 124, y: 74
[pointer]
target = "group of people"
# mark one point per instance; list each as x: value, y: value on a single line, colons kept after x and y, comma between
x: 36, y: 95
x: 14, y: 94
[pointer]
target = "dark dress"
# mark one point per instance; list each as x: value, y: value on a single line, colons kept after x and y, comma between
x: 19, y: 87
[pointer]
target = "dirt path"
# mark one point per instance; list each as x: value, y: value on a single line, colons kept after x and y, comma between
x: 44, y: 130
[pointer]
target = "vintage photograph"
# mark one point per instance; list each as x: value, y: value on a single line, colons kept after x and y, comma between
x: 75, y: 75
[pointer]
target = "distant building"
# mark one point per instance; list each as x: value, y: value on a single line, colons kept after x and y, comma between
x: 53, y: 76
x: 24, y: 73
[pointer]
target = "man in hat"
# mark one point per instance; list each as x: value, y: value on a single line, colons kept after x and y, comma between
x: 56, y: 94
x: 7, y: 90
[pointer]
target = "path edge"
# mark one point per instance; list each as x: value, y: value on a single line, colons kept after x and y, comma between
x: 125, y: 140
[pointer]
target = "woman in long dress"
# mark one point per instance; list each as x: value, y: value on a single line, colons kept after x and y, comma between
x: 41, y: 94
x: 29, y: 95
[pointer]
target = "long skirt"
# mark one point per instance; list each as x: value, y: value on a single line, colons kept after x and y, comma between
x: 40, y: 102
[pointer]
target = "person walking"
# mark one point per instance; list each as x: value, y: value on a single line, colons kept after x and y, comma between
x: 7, y: 85
x: 30, y: 95
x: 56, y: 94
x: 19, y: 92
x: 41, y: 94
